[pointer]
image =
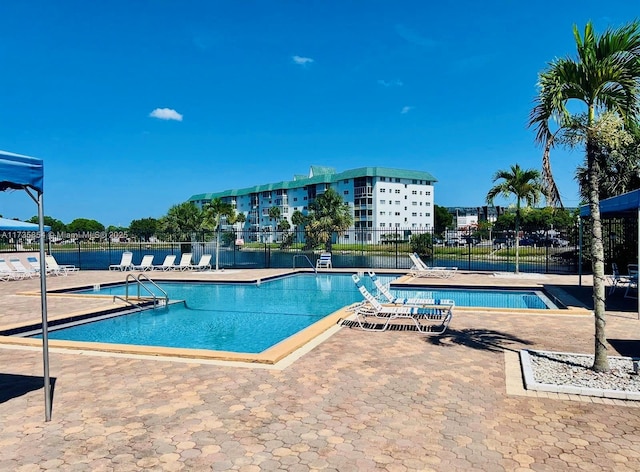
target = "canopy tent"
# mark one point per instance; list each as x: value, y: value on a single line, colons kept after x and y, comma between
x: 15, y: 225
x: 625, y: 205
x: 26, y: 173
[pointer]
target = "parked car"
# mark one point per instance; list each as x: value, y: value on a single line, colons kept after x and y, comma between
x: 454, y: 242
x: 527, y: 242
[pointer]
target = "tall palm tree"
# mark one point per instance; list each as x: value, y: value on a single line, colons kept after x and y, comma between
x: 605, y: 76
x: 524, y: 185
x: 213, y: 213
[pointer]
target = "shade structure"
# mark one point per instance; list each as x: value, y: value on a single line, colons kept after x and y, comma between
x: 14, y: 225
x: 18, y: 172
x: 624, y: 205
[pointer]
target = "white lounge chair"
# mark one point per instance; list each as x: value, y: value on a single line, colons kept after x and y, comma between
x: 126, y: 262
x: 145, y: 264
x: 420, y: 269
x: 387, y: 297
x: 168, y: 263
x: 34, y: 264
x: 19, y: 267
x: 185, y: 262
x: 436, y: 316
x: 616, y: 279
x: 204, y: 263
x: 9, y: 273
x: 58, y: 269
x: 324, y: 261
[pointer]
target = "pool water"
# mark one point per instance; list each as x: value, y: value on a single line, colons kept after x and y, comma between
x: 251, y: 318
x: 226, y: 317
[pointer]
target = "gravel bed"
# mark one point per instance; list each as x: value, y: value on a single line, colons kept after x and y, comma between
x: 575, y: 370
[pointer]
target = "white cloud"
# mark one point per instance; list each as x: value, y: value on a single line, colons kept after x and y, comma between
x: 166, y: 114
x: 406, y: 110
x: 303, y: 61
x: 414, y: 37
x: 391, y: 83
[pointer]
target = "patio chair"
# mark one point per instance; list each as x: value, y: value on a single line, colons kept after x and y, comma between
x: 324, y: 261
x: 203, y: 264
x: 34, y: 264
x: 145, y: 264
x: 185, y: 262
x: 9, y: 273
x: 387, y: 297
x: 125, y: 262
x: 58, y: 269
x: 420, y: 269
x: 436, y: 316
x: 167, y: 264
x: 19, y: 267
x: 633, y: 281
x: 616, y: 279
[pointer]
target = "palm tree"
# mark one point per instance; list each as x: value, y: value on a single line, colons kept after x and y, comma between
x: 182, y: 220
x: 604, y: 77
x: 213, y: 213
x: 524, y: 185
x: 328, y: 214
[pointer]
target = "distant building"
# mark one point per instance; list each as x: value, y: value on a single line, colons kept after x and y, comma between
x: 380, y: 198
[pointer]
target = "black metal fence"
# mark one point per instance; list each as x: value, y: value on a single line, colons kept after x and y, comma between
x: 541, y: 252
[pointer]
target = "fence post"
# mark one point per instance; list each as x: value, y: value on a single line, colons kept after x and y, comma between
x: 396, y: 247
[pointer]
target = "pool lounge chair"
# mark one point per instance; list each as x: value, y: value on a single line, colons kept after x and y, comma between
x: 145, y: 264
x: 126, y: 262
x: 58, y: 269
x: 185, y: 262
x: 616, y: 279
x: 9, y: 273
x: 34, y: 264
x: 420, y: 269
x: 203, y: 264
x: 168, y: 263
x: 19, y: 267
x: 324, y: 261
x: 428, y: 319
x: 387, y: 297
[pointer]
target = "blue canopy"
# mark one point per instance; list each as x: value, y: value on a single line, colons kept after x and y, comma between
x: 14, y: 225
x: 18, y: 172
x: 26, y: 173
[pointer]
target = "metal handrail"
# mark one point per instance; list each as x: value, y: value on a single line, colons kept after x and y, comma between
x: 308, y: 260
x: 137, y: 279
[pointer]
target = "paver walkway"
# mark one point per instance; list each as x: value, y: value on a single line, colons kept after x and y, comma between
x: 359, y: 401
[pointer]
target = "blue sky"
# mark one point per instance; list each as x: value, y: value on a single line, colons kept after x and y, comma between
x: 134, y: 106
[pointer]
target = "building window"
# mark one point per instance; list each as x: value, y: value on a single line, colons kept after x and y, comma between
x: 383, y: 179
x: 428, y: 203
x: 397, y: 179
x: 397, y: 213
x: 414, y: 192
x: 382, y: 213
x: 295, y: 199
x: 346, y: 181
x: 397, y: 190
x: 397, y: 202
x: 414, y: 181
x: 397, y: 225
x: 414, y: 203
x: 383, y: 190
x: 427, y: 214
x: 427, y: 193
x: 382, y: 225
x: 346, y: 192
x: 382, y: 202
x: 414, y: 214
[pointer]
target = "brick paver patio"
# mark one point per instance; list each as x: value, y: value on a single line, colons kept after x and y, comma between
x: 358, y: 401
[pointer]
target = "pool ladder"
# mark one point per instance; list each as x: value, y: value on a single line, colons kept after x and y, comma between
x: 138, y: 280
x: 308, y: 260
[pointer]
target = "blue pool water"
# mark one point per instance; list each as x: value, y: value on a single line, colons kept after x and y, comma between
x: 253, y: 317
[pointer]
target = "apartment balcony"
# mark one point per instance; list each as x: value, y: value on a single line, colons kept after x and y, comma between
x: 359, y: 192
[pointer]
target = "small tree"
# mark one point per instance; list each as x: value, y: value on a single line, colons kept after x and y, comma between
x: 328, y: 214
x: 524, y: 185
x: 422, y: 244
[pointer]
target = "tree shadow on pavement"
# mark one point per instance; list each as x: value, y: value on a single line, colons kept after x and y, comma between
x: 482, y: 339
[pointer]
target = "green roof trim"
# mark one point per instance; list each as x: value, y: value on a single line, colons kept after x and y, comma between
x: 331, y: 177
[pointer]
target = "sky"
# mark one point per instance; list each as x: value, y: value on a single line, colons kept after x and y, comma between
x: 135, y: 106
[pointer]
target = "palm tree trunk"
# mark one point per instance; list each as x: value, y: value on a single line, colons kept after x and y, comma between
x: 600, y: 361
x: 217, y: 245
x: 517, y: 238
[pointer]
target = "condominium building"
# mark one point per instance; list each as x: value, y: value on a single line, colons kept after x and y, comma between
x: 379, y: 198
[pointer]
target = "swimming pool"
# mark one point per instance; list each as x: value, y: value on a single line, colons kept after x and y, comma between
x: 250, y: 318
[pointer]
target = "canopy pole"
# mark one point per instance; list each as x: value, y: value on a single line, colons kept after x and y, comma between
x: 638, y: 282
x: 43, y: 306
